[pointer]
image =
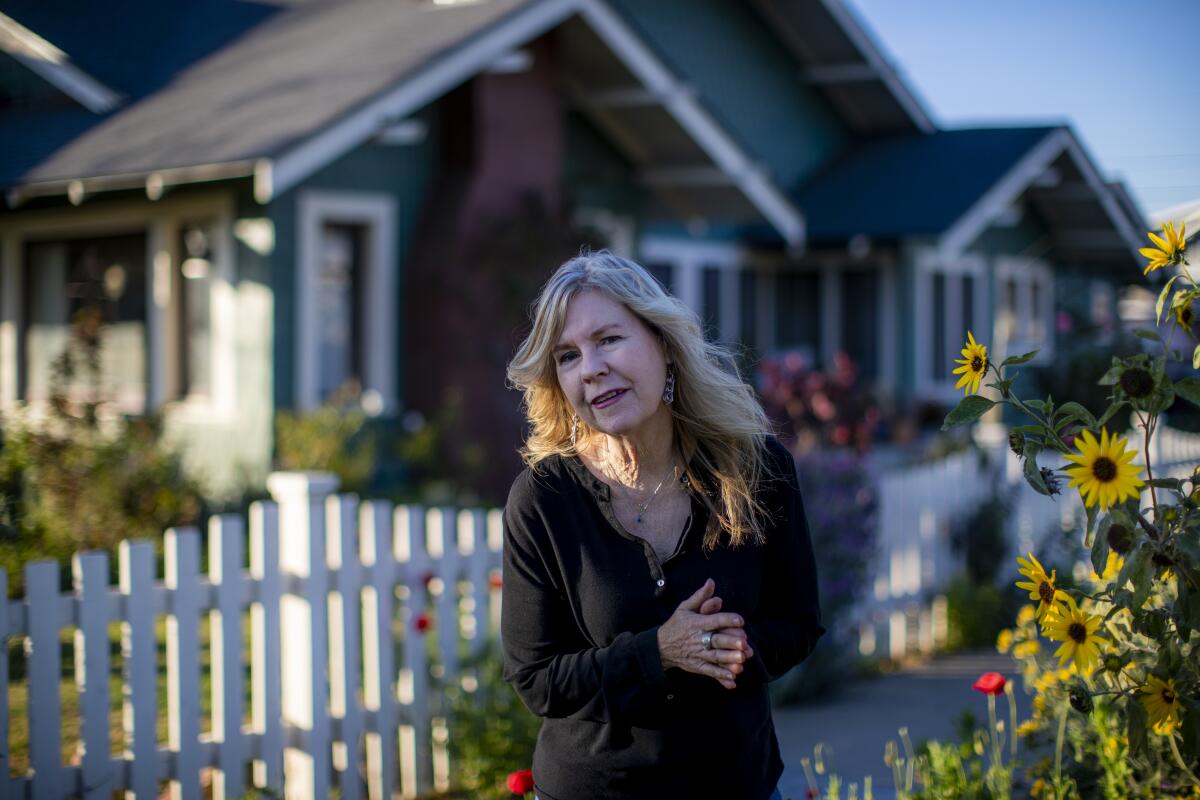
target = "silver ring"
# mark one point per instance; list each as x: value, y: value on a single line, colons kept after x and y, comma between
x: 706, y: 640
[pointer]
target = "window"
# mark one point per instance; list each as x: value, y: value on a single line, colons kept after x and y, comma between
x: 346, y: 317
x: 798, y: 312
x: 1025, y: 308
x: 193, y: 305
x: 339, y: 318
x: 748, y: 307
x: 949, y: 304
x: 65, y: 282
x: 663, y: 273
x: 861, y: 320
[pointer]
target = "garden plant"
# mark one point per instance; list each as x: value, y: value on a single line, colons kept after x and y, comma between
x: 1117, y: 704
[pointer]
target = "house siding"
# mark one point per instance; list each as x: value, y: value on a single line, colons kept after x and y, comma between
x: 402, y: 171
x: 755, y: 89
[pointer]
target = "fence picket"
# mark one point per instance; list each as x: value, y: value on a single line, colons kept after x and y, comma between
x: 41, y: 593
x: 138, y: 651
x: 472, y: 546
x: 443, y: 549
x: 181, y: 549
x: 264, y: 645
x: 416, y: 742
x: 225, y: 537
x: 379, y: 671
x: 345, y: 658
x: 90, y: 573
x: 495, y: 546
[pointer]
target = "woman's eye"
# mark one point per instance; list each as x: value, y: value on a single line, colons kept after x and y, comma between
x: 608, y: 339
x: 565, y: 357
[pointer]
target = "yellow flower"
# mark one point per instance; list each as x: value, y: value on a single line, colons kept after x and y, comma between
x: 1028, y: 728
x: 1076, y: 630
x: 1169, y: 251
x: 1104, y: 474
x: 1028, y: 648
x: 974, y: 365
x: 1040, y: 585
x: 1026, y: 615
x: 1161, y: 702
x: 1112, y: 568
x: 1004, y: 641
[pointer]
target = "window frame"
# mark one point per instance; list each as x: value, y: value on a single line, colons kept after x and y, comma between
x: 376, y: 213
x: 1026, y: 273
x: 928, y: 265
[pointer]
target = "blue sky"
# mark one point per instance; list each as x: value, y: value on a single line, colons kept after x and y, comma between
x: 1124, y: 73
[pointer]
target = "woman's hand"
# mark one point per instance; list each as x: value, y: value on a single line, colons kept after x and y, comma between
x: 681, y: 645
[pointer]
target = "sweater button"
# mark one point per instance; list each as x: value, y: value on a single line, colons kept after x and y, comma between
x: 670, y: 697
x: 661, y: 583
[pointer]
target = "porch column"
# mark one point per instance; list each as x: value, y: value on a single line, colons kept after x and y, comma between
x: 158, y: 309
x: 11, y: 290
x: 831, y: 314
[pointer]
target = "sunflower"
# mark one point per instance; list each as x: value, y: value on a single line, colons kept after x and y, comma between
x: 974, y: 365
x: 1112, y: 568
x: 1040, y: 585
x: 1076, y: 629
x: 1161, y: 702
x: 1169, y: 251
x: 1104, y: 473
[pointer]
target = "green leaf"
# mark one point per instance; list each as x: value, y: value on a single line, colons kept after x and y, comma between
x: 1189, y: 389
x: 1166, y: 483
x: 1037, y: 405
x: 1162, y: 298
x: 1113, y: 409
x: 1139, y: 742
x: 1091, y: 512
x: 1113, y: 375
x: 1028, y: 429
x: 1196, y: 357
x: 1147, y: 334
x: 1074, y: 410
x: 1012, y: 361
x: 969, y: 409
x: 1033, y: 474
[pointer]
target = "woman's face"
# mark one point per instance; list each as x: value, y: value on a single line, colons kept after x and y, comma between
x: 611, y: 367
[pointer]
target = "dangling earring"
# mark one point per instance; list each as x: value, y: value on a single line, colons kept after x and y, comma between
x: 574, y: 429
x: 669, y: 389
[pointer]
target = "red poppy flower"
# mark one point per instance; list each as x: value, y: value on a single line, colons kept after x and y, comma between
x: 421, y: 623
x: 495, y: 581
x: 990, y: 683
x: 521, y: 781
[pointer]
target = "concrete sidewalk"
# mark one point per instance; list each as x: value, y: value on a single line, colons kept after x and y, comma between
x: 855, y: 725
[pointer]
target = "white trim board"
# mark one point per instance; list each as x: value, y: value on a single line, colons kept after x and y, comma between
x: 376, y: 210
x: 993, y: 206
x: 55, y: 67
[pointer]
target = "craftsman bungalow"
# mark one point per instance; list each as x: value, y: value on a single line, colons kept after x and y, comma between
x: 274, y: 198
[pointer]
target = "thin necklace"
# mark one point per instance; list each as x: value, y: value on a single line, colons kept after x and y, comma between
x: 641, y: 507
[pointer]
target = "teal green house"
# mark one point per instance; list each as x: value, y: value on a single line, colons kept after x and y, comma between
x: 273, y: 201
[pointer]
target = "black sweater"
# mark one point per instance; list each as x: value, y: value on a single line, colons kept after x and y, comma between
x: 583, y: 601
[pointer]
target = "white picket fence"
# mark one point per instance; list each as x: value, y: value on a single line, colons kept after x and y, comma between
x: 344, y: 599
x: 919, y: 505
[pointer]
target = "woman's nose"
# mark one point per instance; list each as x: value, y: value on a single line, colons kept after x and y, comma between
x: 593, y: 364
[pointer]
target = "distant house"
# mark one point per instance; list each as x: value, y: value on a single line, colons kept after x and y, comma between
x: 277, y: 198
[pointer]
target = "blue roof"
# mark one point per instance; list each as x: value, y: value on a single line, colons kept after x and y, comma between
x: 910, y: 185
x: 133, y: 47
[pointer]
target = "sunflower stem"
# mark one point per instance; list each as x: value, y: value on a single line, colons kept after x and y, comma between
x: 1147, y: 428
x: 1179, y: 760
x: 1058, y: 748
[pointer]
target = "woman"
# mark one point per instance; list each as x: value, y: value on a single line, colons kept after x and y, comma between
x: 657, y: 564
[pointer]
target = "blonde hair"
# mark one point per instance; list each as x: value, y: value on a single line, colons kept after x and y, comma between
x: 719, y: 424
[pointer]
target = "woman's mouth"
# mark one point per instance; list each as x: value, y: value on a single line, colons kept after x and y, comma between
x: 608, y: 398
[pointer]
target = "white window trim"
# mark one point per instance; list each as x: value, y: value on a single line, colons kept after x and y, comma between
x: 156, y: 221
x: 927, y: 264
x: 617, y: 228
x: 688, y: 259
x: 1026, y: 271
x: 377, y: 211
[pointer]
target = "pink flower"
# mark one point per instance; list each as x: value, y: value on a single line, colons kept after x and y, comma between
x: 421, y: 623
x: 990, y: 683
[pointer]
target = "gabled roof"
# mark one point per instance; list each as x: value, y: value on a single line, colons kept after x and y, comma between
x: 951, y: 185
x: 910, y: 185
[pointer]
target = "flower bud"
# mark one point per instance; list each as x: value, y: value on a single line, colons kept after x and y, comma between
x: 1052, y: 481
x: 1081, y: 701
x: 1120, y: 538
x: 1137, y: 382
x: 1113, y: 663
x: 1016, y: 442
